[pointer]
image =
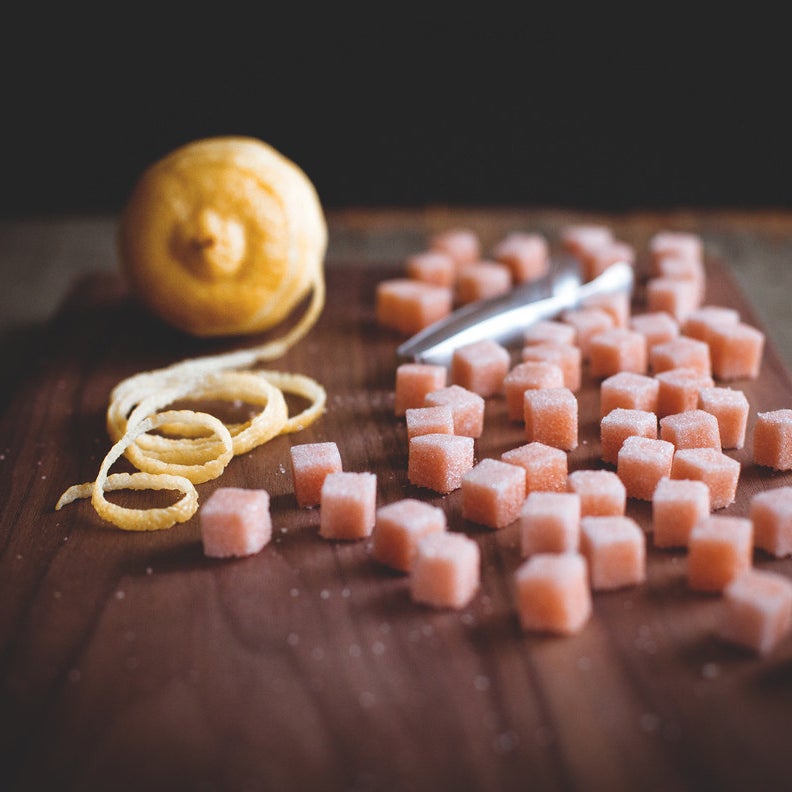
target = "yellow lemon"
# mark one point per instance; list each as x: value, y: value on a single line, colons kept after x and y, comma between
x: 223, y: 236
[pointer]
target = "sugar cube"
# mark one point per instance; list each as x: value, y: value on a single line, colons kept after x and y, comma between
x: 462, y: 244
x: 658, y: 327
x: 552, y: 593
x: 493, y: 493
x: 719, y: 548
x: 772, y: 439
x: 545, y: 467
x: 700, y: 323
x: 549, y: 331
x: 407, y: 305
x: 429, y: 420
x: 551, y: 417
x: 681, y: 352
x: 550, y: 523
x: 310, y: 463
x: 730, y: 408
x: 526, y: 254
x: 445, y: 570
x: 439, y: 461
x: 771, y: 513
x: 629, y: 391
x: 480, y: 366
x: 736, y: 351
x: 615, y: 550
x: 348, y: 505
x: 399, y: 526
x: 482, y: 280
x: 678, y: 390
x: 758, y: 612
x: 691, y: 429
x: 235, y: 522
x: 717, y: 470
x: 414, y: 381
x: 678, y: 505
x: 642, y: 463
x: 602, y: 492
x: 617, y: 349
x: 432, y: 266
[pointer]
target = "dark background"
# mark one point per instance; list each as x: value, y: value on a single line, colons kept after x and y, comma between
x: 577, y: 110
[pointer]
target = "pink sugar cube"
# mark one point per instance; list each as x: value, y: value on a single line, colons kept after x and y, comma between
x: 587, y: 322
x: 566, y: 356
x: 658, y: 327
x: 736, y: 351
x: 719, y: 548
x: 310, y: 463
x: 602, y: 493
x: 675, y: 296
x: 550, y: 523
x: 439, y: 461
x: 730, y: 408
x: 480, y: 366
x: 772, y: 439
x: 615, y: 550
x: 525, y: 254
x: 629, y: 391
x: 678, y: 390
x: 407, y: 305
x: 615, y: 350
x: 642, y: 462
x: 579, y: 238
x: 617, y: 304
x: 551, y: 417
x: 482, y: 280
x: 493, y: 493
x: 701, y: 322
x: 719, y: 472
x: 530, y: 375
x: 597, y: 258
x: 545, y: 467
x: 678, y: 505
x: 758, y: 612
x: 399, y: 526
x: 681, y: 352
x: 552, y: 593
x: 462, y: 244
x: 549, y: 331
x: 771, y: 513
x: 467, y: 408
x: 414, y: 381
x: 432, y: 266
x: 679, y: 244
x: 348, y: 505
x: 429, y: 420
x: 445, y: 570
x: 680, y: 268
x: 235, y: 522
x: 691, y: 429
x: 621, y: 423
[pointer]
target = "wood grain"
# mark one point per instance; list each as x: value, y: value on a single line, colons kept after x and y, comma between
x: 132, y: 661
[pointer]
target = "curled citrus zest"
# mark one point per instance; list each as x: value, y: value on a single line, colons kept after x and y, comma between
x: 193, y: 446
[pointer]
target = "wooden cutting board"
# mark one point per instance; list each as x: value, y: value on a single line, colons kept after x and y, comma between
x: 134, y: 662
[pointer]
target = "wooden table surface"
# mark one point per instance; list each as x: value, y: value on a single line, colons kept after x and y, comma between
x: 130, y: 661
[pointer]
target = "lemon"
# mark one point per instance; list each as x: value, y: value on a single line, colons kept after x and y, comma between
x: 223, y: 236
